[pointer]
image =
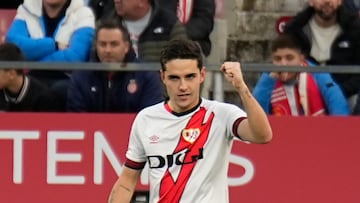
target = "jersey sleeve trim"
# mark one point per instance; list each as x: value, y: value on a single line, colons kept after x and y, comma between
x: 134, y: 165
x: 236, y: 125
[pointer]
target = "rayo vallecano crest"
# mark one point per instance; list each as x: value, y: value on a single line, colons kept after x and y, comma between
x: 191, y: 135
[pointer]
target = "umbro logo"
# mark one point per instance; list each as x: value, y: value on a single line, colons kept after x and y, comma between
x: 154, y: 139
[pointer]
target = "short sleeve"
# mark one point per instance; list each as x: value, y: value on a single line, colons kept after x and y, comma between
x: 136, y: 152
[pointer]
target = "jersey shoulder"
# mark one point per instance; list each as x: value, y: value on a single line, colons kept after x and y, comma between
x: 219, y: 106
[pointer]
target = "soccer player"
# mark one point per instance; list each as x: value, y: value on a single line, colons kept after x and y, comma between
x: 186, y: 140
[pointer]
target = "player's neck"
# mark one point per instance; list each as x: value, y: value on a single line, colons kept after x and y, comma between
x: 169, y: 105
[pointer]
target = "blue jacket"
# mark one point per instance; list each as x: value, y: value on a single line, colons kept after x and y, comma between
x: 334, y: 100
x: 94, y: 91
x: 76, y: 30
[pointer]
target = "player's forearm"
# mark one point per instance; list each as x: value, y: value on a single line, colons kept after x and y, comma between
x: 124, y: 187
x: 120, y: 193
x: 258, y: 121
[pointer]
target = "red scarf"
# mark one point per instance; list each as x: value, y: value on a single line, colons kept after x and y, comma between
x: 184, y: 10
x: 308, y: 100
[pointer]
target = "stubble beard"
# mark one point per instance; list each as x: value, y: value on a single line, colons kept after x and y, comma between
x: 326, y: 16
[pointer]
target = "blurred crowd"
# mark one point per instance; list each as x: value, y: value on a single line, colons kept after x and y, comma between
x: 324, y: 32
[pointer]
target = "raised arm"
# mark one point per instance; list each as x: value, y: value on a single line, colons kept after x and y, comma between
x: 124, y: 187
x: 256, y: 128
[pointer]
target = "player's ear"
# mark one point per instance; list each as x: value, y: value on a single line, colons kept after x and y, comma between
x: 162, y: 75
x: 202, y: 74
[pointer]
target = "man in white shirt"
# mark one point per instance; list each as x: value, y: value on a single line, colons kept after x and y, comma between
x: 330, y: 35
x: 149, y: 25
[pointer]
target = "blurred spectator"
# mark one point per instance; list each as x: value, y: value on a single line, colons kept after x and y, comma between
x: 356, y: 109
x: 53, y: 31
x: 102, y: 91
x: 353, y: 5
x: 6, y: 17
x: 198, y: 18
x: 101, y: 7
x: 10, y: 4
x: 19, y: 92
x: 292, y: 93
x: 149, y: 25
x: 330, y: 34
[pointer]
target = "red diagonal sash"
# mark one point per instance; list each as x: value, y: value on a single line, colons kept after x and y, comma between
x: 171, y: 190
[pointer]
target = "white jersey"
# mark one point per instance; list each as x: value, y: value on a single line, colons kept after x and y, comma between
x: 187, y: 154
